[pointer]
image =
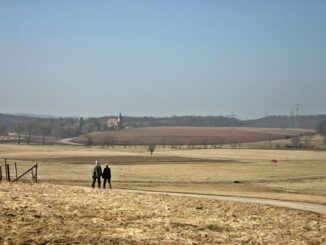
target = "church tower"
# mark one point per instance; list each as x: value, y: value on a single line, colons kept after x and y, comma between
x: 120, y: 121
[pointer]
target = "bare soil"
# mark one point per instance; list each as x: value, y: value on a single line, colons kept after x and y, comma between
x: 187, y: 136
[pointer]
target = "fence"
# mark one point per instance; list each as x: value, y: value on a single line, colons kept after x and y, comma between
x: 33, y: 170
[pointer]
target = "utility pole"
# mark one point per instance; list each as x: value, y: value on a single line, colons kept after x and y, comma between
x: 232, y: 116
x: 297, y: 110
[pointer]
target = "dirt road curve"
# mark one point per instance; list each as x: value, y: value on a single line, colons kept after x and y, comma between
x: 316, y: 208
x: 68, y: 141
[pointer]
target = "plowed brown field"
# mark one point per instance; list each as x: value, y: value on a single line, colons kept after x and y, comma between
x: 187, y: 135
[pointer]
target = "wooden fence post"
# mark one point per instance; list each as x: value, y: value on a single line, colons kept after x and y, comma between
x: 8, y: 172
x: 36, y: 172
x: 16, y: 169
x: 6, y: 169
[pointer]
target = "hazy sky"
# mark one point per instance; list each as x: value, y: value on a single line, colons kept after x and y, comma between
x: 162, y: 58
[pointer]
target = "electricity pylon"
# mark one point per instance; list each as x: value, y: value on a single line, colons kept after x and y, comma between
x: 232, y: 135
x: 297, y: 110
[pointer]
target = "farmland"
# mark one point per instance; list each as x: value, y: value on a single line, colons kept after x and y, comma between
x: 298, y: 174
x: 74, y: 212
x: 187, y: 135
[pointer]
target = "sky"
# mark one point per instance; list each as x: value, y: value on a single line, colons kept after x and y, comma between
x: 162, y: 58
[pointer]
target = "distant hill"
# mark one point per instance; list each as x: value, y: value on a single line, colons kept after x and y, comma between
x: 308, y: 122
x: 183, y: 121
x: 10, y: 119
x: 34, y: 115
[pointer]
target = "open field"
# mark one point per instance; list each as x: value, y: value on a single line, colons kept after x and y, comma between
x: 188, y: 135
x: 298, y: 175
x: 44, y: 213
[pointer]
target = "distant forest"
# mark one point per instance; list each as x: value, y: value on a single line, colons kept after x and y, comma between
x: 67, y: 127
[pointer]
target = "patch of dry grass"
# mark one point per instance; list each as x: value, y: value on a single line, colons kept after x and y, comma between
x: 44, y: 213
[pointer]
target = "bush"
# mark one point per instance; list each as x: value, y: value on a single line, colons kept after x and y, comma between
x: 151, y: 148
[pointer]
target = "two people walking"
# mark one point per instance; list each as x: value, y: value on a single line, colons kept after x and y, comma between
x: 97, y: 174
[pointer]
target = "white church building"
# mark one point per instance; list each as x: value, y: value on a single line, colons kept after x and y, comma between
x: 115, y: 123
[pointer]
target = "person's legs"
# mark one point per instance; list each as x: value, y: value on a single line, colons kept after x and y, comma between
x: 109, y: 182
x: 104, y: 182
x: 99, y: 182
x: 93, y: 183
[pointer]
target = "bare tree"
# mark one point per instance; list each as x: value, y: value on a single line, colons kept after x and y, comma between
x: 307, y: 137
x: 220, y: 142
x: 18, y: 129
x: 296, y: 142
x: 46, y: 129
x: 3, y: 131
x: 81, y: 125
x: 321, y: 129
x: 151, y: 148
x: 29, y: 126
x: 204, y: 142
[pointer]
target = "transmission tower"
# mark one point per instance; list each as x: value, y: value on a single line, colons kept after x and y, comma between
x: 232, y: 116
x: 297, y: 111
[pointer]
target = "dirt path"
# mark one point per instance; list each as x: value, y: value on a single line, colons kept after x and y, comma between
x: 68, y: 141
x: 316, y: 208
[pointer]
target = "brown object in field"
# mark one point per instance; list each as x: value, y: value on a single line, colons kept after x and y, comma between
x: 0, y: 173
x: 16, y: 169
x: 35, y: 172
x: 7, y: 169
x: 8, y: 172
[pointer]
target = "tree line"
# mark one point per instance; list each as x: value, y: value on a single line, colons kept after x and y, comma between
x: 22, y: 129
x: 25, y: 129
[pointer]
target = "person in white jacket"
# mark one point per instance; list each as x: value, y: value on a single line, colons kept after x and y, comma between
x: 96, y: 174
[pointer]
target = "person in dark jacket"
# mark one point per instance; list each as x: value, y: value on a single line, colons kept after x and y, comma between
x: 107, y: 176
x: 96, y: 174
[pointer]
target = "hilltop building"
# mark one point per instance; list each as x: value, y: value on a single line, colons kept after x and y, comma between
x: 115, y: 123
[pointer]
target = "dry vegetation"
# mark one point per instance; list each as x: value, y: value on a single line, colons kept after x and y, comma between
x: 57, y: 214
x: 44, y: 213
x: 187, y: 135
x: 298, y: 175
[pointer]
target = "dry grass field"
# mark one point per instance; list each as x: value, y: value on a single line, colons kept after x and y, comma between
x: 45, y: 213
x: 49, y: 214
x: 188, y: 135
x: 298, y: 175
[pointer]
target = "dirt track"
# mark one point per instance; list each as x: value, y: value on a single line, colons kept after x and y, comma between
x: 68, y: 141
x: 312, y: 207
